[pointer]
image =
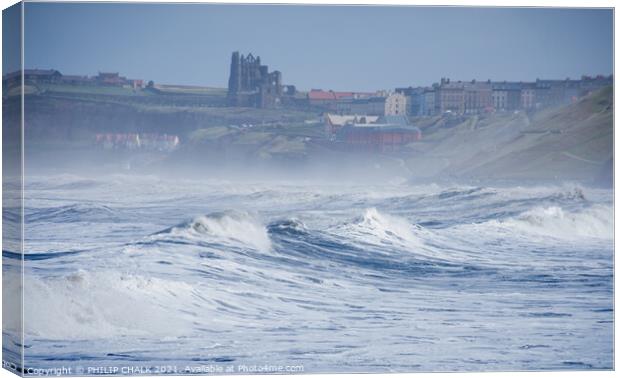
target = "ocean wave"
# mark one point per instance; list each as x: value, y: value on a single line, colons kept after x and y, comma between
x: 229, y: 227
x: 374, y: 242
x: 85, y: 304
x: 465, y: 193
x: 596, y: 222
x: 291, y: 227
x: 343, y: 263
x: 375, y: 227
x: 557, y: 222
x: 62, y: 181
x: 572, y: 194
x: 72, y: 213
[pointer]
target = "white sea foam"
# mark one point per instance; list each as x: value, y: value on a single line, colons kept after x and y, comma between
x: 336, y: 284
x: 98, y: 305
x: 229, y: 226
x: 376, y: 227
x: 554, y: 222
x: 596, y: 222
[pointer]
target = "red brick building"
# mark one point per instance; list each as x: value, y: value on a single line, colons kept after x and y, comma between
x: 367, y: 133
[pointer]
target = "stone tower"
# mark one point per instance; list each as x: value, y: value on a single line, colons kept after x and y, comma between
x: 234, y: 80
x: 251, y: 84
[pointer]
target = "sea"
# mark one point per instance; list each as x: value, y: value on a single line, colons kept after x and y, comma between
x: 129, y: 274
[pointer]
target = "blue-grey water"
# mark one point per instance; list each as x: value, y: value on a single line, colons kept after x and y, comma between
x: 143, y: 272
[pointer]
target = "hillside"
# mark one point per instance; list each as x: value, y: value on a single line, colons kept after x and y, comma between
x: 55, y: 118
x: 573, y: 142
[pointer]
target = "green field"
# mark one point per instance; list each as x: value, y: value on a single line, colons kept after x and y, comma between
x: 91, y: 89
x: 191, y: 90
x: 165, y: 90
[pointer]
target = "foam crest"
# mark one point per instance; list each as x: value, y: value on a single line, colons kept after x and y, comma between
x: 374, y: 226
x: 595, y: 222
x: 229, y: 227
x: 100, y: 305
x: 290, y: 226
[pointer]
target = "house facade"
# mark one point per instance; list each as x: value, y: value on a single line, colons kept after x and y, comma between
x: 395, y: 104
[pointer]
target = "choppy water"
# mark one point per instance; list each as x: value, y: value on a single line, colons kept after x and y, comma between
x: 133, y: 271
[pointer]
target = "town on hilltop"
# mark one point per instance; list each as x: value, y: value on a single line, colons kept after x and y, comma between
x: 380, y: 120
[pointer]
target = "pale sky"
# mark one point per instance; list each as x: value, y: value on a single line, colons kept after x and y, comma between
x: 328, y: 47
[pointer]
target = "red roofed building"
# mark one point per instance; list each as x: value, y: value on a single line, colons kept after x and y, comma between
x: 320, y: 97
x: 343, y: 95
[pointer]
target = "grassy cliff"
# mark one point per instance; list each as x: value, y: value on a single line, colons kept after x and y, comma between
x: 573, y: 142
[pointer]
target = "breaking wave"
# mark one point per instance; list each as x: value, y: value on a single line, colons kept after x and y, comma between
x: 375, y: 227
x: 558, y: 222
x: 315, y: 273
x: 291, y: 227
x: 86, y: 304
x: 229, y: 227
x: 596, y: 222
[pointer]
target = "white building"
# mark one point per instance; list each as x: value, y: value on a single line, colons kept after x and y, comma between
x: 396, y: 104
